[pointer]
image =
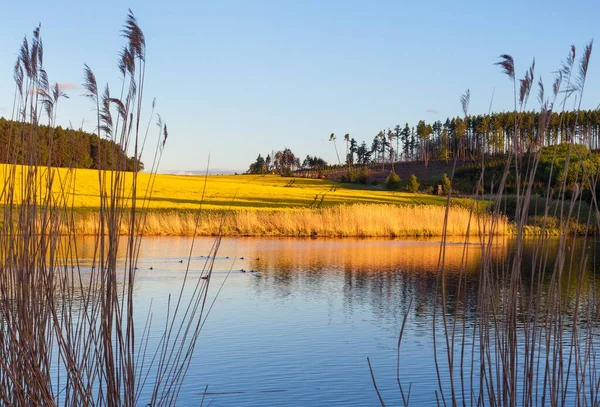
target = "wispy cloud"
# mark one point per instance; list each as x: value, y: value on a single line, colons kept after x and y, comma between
x: 62, y: 85
x: 432, y: 111
x: 68, y: 86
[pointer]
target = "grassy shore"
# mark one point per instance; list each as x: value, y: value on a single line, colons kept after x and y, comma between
x: 359, y: 220
x: 268, y: 205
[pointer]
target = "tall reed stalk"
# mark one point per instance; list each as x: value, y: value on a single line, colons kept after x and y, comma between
x: 534, y: 337
x: 68, y: 333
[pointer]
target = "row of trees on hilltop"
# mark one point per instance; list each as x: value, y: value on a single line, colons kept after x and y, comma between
x: 471, y: 137
x: 285, y: 162
x: 474, y: 136
x: 61, y: 147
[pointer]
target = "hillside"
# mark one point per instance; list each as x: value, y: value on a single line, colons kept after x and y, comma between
x: 23, y: 143
x: 429, y: 173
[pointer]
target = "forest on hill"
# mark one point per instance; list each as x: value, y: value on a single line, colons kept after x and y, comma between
x: 464, y: 138
x: 60, y: 147
x: 475, y: 136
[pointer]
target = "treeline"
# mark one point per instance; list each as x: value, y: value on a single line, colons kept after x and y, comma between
x: 464, y: 138
x: 60, y: 147
x: 285, y: 162
x: 474, y: 136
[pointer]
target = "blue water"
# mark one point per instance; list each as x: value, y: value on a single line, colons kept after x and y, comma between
x: 299, y: 333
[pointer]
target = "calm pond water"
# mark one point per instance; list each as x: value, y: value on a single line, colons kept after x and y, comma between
x: 300, y: 333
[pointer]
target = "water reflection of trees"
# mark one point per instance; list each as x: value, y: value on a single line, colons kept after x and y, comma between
x: 386, y: 275
x: 389, y: 275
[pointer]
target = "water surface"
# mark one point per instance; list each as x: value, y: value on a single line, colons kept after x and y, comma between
x: 295, y: 320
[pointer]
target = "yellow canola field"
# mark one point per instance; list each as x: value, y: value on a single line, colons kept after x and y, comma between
x: 249, y: 205
x: 184, y: 192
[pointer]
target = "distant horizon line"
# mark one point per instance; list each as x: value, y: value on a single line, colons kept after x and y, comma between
x: 211, y: 171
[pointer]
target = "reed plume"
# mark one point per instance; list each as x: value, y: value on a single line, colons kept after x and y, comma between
x: 69, y: 333
x: 534, y: 337
x: 507, y: 64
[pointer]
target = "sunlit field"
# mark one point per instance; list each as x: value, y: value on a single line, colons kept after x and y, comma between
x: 263, y: 205
x: 262, y: 192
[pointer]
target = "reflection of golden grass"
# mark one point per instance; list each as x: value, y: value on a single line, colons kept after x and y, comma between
x: 310, y: 255
x: 339, y: 221
x: 372, y: 256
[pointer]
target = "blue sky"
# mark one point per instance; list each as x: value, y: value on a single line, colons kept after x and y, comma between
x: 239, y: 78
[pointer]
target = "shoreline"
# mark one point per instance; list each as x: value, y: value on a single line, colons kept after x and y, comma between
x: 356, y: 221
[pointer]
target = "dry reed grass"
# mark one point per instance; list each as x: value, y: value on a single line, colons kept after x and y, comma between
x: 68, y: 334
x: 337, y: 221
x: 534, y: 337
